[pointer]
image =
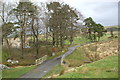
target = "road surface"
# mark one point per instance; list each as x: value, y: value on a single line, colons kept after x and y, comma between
x: 46, y: 66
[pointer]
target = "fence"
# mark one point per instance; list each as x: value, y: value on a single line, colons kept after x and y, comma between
x: 40, y: 60
x: 62, y: 58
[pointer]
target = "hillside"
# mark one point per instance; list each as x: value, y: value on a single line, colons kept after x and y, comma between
x: 95, y: 60
x: 105, y: 68
x: 111, y: 26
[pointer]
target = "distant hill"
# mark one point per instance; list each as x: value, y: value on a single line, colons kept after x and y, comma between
x: 111, y: 26
x: 114, y: 28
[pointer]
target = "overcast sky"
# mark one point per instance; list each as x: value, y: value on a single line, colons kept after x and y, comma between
x: 104, y: 12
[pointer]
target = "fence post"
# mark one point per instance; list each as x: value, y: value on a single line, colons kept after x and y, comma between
x: 62, y: 59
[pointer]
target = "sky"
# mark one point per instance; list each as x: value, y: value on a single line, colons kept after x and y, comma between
x: 104, y: 12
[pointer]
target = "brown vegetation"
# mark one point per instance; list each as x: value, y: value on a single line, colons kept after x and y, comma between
x: 99, y: 50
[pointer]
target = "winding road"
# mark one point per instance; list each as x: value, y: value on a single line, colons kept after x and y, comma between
x: 46, y: 66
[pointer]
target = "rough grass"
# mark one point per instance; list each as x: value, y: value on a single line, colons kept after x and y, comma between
x: 111, y: 26
x: 16, y: 72
x: 29, y: 55
x: 99, y: 69
x: 77, y: 40
x: 57, y: 54
x: 77, y: 58
x: 105, y: 68
x: 56, y: 70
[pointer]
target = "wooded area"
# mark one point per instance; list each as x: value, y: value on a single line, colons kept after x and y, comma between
x: 33, y: 26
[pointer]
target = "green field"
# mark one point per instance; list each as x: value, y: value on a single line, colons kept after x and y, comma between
x: 77, y: 40
x: 77, y: 58
x: 111, y: 26
x: 56, y: 70
x: 105, y: 68
x: 16, y: 72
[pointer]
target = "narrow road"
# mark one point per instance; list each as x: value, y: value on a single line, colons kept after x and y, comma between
x: 46, y: 66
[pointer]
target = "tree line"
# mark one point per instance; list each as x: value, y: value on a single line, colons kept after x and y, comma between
x: 55, y: 19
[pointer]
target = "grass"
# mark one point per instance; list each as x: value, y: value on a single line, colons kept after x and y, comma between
x: 80, y: 40
x: 29, y: 54
x: 105, y: 68
x: 111, y: 26
x: 0, y: 54
x: 77, y: 40
x: 4, y: 55
x: 57, y: 54
x: 56, y: 70
x: 105, y: 37
x: 77, y: 58
x: 16, y: 72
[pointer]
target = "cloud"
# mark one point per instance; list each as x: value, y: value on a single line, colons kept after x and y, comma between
x: 104, y: 12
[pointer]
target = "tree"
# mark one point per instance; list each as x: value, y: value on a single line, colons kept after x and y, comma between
x: 74, y: 16
x: 5, y: 13
x: 62, y: 22
x: 99, y: 29
x: 25, y: 13
x: 7, y: 29
x: 111, y: 32
x: 94, y: 30
x: 89, y: 23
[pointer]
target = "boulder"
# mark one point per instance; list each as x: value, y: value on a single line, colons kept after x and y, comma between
x: 2, y: 67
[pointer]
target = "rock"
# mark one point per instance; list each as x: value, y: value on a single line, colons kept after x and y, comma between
x: 53, y: 54
x: 71, y: 70
x: 87, y: 61
x: 2, y: 67
x: 9, y: 60
x: 14, y: 62
x: 55, y: 75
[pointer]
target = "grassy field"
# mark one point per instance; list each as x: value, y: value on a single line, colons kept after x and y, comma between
x: 56, y: 70
x: 57, y: 54
x: 29, y: 55
x: 74, y: 60
x: 105, y: 68
x: 111, y: 26
x: 77, y: 40
x: 16, y: 72
x: 0, y: 57
x: 77, y: 58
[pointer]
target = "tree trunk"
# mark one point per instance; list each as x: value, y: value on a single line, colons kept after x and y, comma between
x: 94, y: 37
x: 53, y: 40
x: 71, y: 40
x: 61, y: 41
x: 35, y: 38
x: 8, y: 45
x: 46, y: 34
x: 111, y: 32
x: 22, y: 52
